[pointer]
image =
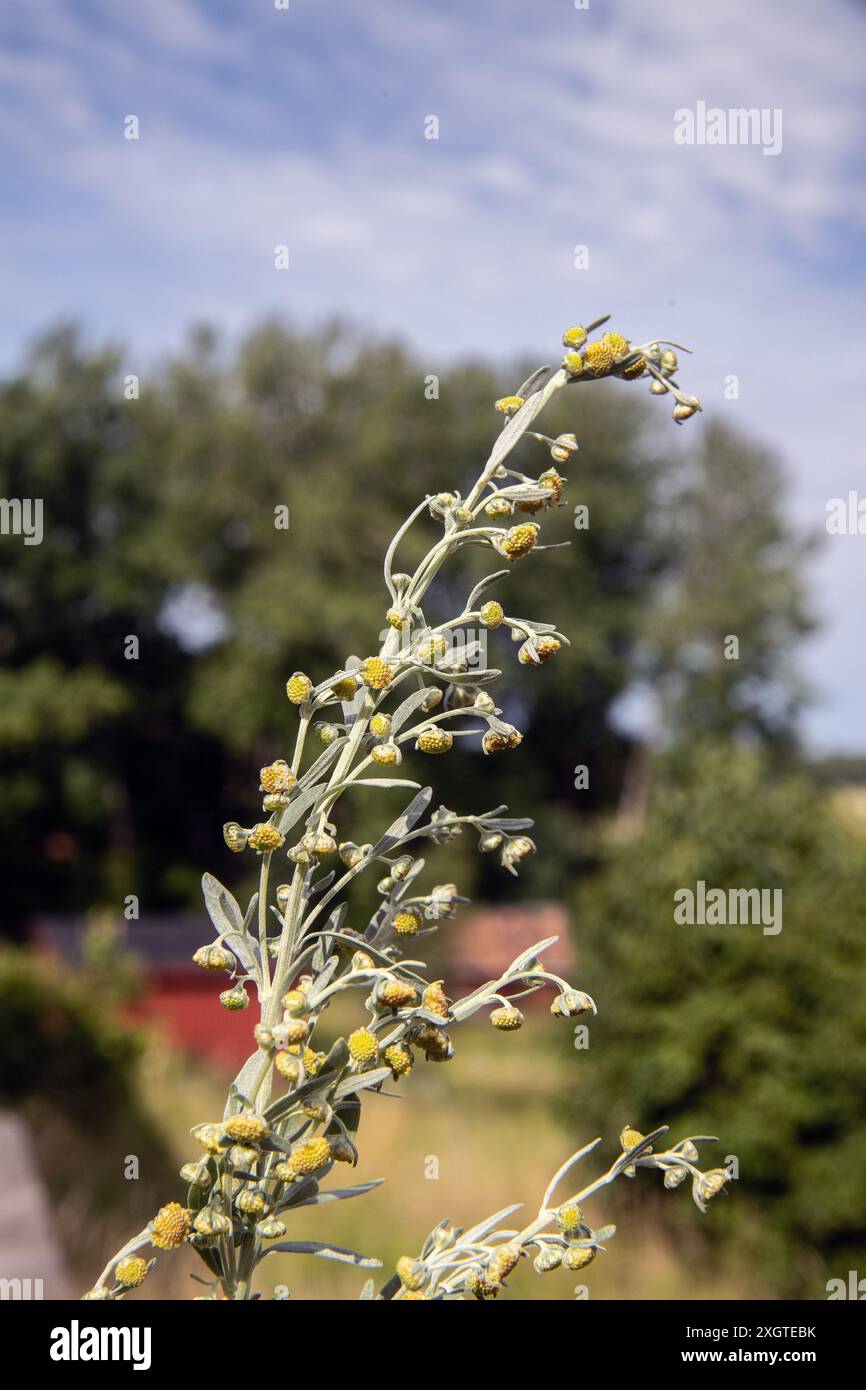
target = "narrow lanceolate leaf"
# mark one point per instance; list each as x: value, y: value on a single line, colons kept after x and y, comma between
x: 321, y: 1081
x: 340, y: 1194
x: 299, y: 805
x: 484, y: 584
x: 485, y: 1227
x: 639, y: 1150
x: 228, y: 920
x: 604, y: 1233
x: 326, y: 1252
x: 362, y: 1081
x: 332, y: 792
x: 322, y: 763
x: 409, y: 706
x: 245, y: 1081
x: 405, y: 822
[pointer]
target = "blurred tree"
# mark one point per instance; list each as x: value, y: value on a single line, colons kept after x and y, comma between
x: 164, y: 522
x: 725, y: 1030
x: 90, y: 740
x: 722, y: 635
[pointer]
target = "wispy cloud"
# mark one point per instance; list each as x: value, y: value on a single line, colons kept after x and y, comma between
x: 306, y: 127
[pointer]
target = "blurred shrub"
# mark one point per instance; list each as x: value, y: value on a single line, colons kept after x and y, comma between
x: 71, y: 1069
x: 759, y: 1039
x: 55, y: 1041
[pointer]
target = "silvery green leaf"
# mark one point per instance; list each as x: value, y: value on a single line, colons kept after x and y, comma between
x: 362, y: 1081
x: 322, y: 763
x: 245, y: 1080
x: 298, y: 805
x: 340, y: 1194
x: 338, y: 1055
x: 382, y: 782
x: 530, y: 953
x: 327, y: 1252
x: 322, y: 884
x: 409, y: 706
x: 477, y: 1233
x: 534, y: 382
x: 483, y: 584
x: 368, y: 1293
x: 639, y: 1150
x: 511, y: 823
x: 404, y: 823
x: 474, y: 677
x: 339, y: 787
x: 228, y: 920
x: 281, y: 1107
x: 604, y: 1233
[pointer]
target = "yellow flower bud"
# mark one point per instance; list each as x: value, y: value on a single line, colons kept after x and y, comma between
x: 234, y: 999
x: 214, y: 958
x: 598, y: 359
x: 265, y: 838
x: 574, y: 337
x: 380, y: 725
x: 507, y: 1020
x: 435, y: 1000
x: 235, y: 836
x: 345, y: 688
x: 406, y: 923
x: 131, y: 1271
x: 508, y: 405
x: 396, y: 994
x: 276, y: 777
x: 494, y: 741
x: 307, y: 1158
x: 376, y: 673
x: 253, y: 1204
x: 410, y: 1272
x: 578, y: 1257
x: 491, y: 613
x: 298, y: 688
x: 363, y: 1047
x: 434, y: 740
x: 629, y: 1138
x: 619, y: 346
x: 569, y: 1218
x: 170, y: 1227
x: 519, y: 540
x: 246, y: 1129
x: 634, y: 369
x: 573, y: 362
x: 398, y: 1058
x: 502, y: 1262
x: 386, y: 754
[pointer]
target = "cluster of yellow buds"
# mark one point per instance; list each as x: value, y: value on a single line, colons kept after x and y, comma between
x: 613, y: 355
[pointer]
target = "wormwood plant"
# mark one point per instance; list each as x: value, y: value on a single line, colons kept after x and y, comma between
x: 296, y: 949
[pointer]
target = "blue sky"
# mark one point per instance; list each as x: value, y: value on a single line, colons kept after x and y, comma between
x: 261, y: 126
